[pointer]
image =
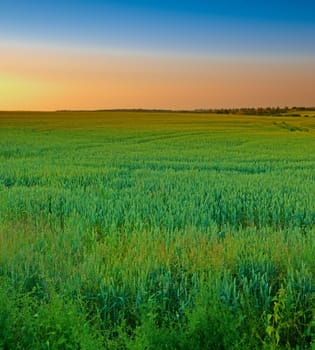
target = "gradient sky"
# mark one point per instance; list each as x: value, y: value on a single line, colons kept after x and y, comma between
x: 156, y: 54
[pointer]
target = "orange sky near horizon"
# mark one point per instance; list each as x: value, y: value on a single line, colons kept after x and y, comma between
x: 51, y: 79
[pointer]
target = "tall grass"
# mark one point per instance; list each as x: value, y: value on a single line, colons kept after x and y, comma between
x: 156, y: 231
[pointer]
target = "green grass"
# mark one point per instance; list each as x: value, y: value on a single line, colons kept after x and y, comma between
x: 142, y: 230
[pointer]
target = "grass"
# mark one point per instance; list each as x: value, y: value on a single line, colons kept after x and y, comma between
x: 138, y: 230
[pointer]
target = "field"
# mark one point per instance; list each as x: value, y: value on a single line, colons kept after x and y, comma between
x: 147, y: 230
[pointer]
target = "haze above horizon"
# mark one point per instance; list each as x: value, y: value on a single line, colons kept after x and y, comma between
x: 156, y: 54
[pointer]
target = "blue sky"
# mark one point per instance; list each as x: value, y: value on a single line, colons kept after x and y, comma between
x: 192, y: 27
x: 156, y: 54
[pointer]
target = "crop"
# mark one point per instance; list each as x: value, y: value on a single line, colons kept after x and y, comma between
x: 135, y: 230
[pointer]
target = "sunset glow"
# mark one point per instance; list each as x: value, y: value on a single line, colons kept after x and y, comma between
x: 153, y: 56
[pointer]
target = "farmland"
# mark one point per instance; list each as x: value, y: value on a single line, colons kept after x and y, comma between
x: 152, y: 230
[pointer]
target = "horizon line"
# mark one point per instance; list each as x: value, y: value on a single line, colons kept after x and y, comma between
x: 194, y: 110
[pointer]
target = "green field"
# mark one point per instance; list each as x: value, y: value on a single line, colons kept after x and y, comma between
x: 142, y: 230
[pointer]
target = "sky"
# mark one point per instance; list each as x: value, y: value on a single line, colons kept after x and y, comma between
x: 156, y: 54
